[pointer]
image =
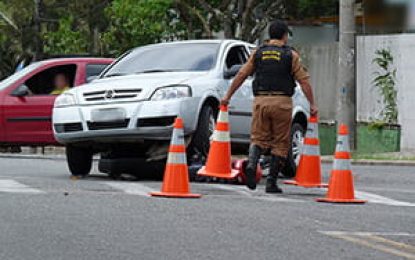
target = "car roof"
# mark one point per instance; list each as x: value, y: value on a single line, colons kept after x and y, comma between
x: 206, y: 41
x: 77, y: 59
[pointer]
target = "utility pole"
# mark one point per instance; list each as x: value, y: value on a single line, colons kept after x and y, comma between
x: 36, y: 19
x: 346, y: 108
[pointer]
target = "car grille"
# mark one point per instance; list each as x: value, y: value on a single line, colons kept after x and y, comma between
x: 156, y: 121
x: 69, y: 127
x: 112, y: 94
x: 108, y: 125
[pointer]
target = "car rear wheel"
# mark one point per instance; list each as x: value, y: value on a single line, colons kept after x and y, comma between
x: 297, y: 138
x: 79, y: 160
x: 199, y: 146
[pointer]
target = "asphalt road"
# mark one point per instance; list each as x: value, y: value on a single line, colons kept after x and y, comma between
x: 45, y: 215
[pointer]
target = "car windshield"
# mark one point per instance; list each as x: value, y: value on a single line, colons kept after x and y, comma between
x: 166, y: 58
x: 14, y: 77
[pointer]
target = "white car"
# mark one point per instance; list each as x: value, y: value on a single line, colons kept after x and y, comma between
x: 129, y: 110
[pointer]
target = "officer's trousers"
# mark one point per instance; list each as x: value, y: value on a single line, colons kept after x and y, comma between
x: 271, y: 123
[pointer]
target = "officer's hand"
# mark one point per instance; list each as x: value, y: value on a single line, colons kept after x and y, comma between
x: 313, y: 110
x: 224, y: 102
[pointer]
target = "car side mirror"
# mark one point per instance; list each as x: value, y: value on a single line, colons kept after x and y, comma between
x: 91, y: 78
x: 21, y: 91
x: 230, y: 73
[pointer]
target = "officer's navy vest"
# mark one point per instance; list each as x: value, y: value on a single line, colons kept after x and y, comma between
x: 273, y: 70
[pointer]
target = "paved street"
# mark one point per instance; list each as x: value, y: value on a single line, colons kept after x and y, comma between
x: 45, y: 215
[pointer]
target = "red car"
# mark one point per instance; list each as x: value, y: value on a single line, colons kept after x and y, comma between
x: 26, y: 103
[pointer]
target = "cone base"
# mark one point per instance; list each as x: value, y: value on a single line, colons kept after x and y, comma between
x: 204, y: 172
x: 307, y: 185
x: 328, y: 200
x: 175, y: 195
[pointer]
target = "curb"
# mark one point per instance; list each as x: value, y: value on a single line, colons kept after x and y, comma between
x: 323, y: 160
x: 375, y: 162
x: 33, y: 156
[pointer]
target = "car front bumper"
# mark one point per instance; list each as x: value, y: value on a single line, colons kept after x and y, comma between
x: 144, y: 120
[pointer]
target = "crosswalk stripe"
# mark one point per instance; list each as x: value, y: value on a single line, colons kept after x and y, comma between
x: 131, y: 188
x: 374, y: 198
x: 259, y: 195
x: 12, y: 186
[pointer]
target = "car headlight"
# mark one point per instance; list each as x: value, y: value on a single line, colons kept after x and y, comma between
x: 65, y: 100
x: 171, y: 92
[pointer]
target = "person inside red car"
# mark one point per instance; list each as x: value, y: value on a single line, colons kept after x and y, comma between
x: 61, y: 83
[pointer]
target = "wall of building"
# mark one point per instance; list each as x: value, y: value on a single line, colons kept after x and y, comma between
x: 321, y: 61
x: 369, y: 102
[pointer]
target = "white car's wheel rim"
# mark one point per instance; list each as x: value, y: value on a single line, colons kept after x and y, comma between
x: 212, y: 125
x: 297, y: 144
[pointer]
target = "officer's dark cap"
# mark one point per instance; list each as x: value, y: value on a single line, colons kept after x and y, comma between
x: 278, y: 29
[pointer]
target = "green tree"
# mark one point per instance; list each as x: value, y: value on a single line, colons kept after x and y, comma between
x: 65, y: 40
x: 138, y: 22
x: 242, y: 19
x: 15, y: 38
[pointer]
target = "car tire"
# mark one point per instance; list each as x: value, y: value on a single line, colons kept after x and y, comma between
x: 200, y: 143
x: 297, y: 136
x: 79, y: 160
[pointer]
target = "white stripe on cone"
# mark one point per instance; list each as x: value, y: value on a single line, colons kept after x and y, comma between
x: 178, y: 137
x: 311, y: 150
x: 223, y: 117
x: 312, y: 130
x: 342, y: 143
x: 221, y: 136
x: 176, y: 158
x: 341, y: 164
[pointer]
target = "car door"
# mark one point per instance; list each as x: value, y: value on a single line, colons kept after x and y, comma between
x: 28, y: 115
x: 240, y: 107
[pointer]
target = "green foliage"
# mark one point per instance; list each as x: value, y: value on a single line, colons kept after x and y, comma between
x: 376, y: 125
x: 139, y: 22
x: 65, y: 40
x: 385, y: 82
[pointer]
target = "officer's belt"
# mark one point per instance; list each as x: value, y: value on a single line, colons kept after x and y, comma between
x: 270, y: 93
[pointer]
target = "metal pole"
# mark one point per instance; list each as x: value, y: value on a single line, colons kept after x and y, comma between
x: 346, y: 109
x: 36, y: 18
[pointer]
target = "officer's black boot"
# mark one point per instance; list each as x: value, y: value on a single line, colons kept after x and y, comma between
x: 253, y: 157
x: 271, y: 185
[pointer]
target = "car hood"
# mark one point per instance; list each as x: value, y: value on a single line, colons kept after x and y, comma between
x: 143, y: 84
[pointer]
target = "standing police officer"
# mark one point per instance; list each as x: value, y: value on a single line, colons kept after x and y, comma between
x: 276, y: 67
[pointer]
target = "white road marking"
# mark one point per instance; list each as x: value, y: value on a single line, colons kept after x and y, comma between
x: 374, y: 241
x: 389, y: 190
x: 374, y: 198
x: 257, y: 194
x: 399, y: 234
x: 12, y: 186
x: 131, y: 188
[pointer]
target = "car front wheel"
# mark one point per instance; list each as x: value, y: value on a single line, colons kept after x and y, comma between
x: 199, y: 146
x: 79, y: 160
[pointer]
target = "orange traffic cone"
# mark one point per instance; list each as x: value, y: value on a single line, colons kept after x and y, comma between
x: 341, y: 188
x: 309, y: 169
x: 176, y: 175
x: 219, y: 158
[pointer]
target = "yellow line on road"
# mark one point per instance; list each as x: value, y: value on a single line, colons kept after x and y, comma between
x: 377, y: 246
x: 393, y: 243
